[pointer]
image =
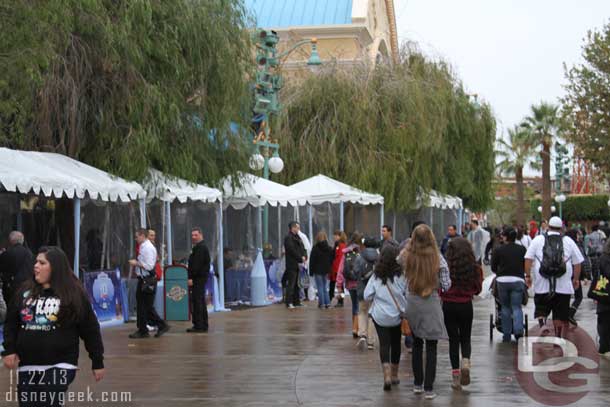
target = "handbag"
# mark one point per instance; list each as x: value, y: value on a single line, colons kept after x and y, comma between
x: 599, y: 290
x: 405, y: 328
x: 149, y: 283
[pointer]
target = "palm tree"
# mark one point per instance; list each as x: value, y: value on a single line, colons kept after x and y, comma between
x: 515, y: 153
x: 543, y: 126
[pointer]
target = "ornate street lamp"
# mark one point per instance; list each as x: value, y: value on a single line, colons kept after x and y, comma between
x: 560, y: 199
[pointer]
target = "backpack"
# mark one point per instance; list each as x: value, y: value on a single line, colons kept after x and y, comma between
x: 552, y: 265
x: 596, y: 244
x: 349, y: 271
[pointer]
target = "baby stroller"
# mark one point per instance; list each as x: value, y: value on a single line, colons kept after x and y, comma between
x: 495, y: 319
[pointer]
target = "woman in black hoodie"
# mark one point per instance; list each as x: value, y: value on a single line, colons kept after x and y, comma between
x: 320, y: 263
x: 42, y: 330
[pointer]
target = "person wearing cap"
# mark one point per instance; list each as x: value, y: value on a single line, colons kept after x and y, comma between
x: 555, y: 301
x: 507, y: 264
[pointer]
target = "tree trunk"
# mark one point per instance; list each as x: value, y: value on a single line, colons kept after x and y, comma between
x: 520, y: 197
x: 546, y: 180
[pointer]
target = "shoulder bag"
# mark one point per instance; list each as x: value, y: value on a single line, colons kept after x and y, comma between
x: 405, y: 328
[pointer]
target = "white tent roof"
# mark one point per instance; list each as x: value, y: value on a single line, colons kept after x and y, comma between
x: 322, y: 189
x: 166, y: 188
x: 434, y: 199
x: 258, y: 192
x: 55, y: 174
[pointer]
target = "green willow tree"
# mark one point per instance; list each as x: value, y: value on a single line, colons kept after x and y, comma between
x: 586, y: 106
x: 126, y: 85
x: 515, y: 154
x: 544, y: 127
x: 393, y: 130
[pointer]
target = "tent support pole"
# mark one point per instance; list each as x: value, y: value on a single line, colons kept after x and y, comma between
x: 143, y: 213
x: 221, y: 266
x: 168, y: 216
x: 76, y: 236
x: 342, y: 216
x: 381, y: 217
x: 310, y: 216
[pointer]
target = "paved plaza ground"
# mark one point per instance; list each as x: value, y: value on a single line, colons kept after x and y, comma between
x: 272, y: 356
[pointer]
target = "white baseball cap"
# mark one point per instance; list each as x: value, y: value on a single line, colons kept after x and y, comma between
x: 556, y: 222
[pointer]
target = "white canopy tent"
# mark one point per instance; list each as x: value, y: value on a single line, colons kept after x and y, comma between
x: 184, y: 205
x: 245, y: 200
x: 321, y: 190
x: 57, y: 176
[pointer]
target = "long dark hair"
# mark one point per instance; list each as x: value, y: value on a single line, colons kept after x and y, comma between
x: 64, y: 284
x: 387, y: 267
x: 462, y: 264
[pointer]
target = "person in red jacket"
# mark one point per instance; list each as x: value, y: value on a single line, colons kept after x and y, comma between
x: 340, y: 244
x: 466, y: 282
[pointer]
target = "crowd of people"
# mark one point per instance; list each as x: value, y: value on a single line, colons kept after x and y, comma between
x: 424, y: 292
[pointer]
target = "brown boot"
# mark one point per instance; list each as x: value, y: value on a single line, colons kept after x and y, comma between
x: 387, y: 377
x: 395, y: 379
x: 355, y: 326
x: 465, y: 372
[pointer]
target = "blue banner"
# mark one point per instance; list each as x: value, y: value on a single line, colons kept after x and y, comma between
x: 106, y: 294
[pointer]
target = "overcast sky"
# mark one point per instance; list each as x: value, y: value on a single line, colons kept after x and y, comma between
x: 509, y: 51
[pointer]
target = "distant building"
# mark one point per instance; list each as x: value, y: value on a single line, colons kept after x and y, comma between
x: 348, y: 31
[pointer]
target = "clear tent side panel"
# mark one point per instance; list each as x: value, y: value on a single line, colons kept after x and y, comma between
x: 107, y: 238
x: 10, y: 212
x: 185, y: 217
x: 365, y: 219
x: 326, y: 218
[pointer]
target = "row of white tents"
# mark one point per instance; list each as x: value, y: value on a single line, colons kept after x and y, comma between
x: 107, y: 209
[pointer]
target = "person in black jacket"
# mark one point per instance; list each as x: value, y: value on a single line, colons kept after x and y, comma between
x: 198, y: 272
x: 603, y: 309
x: 507, y: 261
x: 41, y: 335
x: 320, y: 264
x: 16, y: 265
x: 295, y: 255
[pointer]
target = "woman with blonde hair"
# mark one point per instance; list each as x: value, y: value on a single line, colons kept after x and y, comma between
x: 426, y: 272
x: 320, y: 263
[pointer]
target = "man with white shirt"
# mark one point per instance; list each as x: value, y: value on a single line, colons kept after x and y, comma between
x: 552, y: 295
x: 147, y: 288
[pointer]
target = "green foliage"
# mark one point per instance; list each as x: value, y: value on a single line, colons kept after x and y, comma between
x: 120, y: 84
x: 586, y: 106
x: 579, y: 208
x: 391, y: 130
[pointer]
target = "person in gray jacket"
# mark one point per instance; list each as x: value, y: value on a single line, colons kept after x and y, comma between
x: 385, y: 290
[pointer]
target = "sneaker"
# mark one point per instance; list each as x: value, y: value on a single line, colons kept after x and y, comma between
x: 300, y: 305
x: 455, y: 380
x: 290, y: 306
x: 572, y: 321
x: 196, y: 330
x: 465, y: 372
x: 605, y: 355
x: 418, y: 389
x: 370, y: 346
x: 430, y: 395
x: 162, y: 330
x: 361, y: 345
x: 327, y: 306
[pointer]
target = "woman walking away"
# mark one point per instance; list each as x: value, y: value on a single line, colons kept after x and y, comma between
x: 320, y: 263
x: 347, y: 277
x: 466, y: 282
x: 603, y: 307
x: 41, y: 335
x: 385, y: 290
x: 425, y: 272
x: 340, y: 243
x: 365, y: 265
x: 585, y: 270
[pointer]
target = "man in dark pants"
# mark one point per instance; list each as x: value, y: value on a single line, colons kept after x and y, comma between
x: 295, y: 254
x: 16, y: 265
x: 198, y: 272
x: 145, y: 269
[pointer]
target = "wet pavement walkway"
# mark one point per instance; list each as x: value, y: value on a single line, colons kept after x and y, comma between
x: 305, y: 357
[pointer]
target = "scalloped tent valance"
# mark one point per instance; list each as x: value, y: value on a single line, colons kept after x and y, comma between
x: 322, y: 189
x: 56, y: 175
x: 168, y: 189
x: 258, y: 192
x: 434, y: 199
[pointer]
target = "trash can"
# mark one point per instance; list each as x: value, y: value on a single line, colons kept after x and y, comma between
x: 176, y: 293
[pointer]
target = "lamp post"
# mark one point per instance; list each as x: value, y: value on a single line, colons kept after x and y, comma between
x: 560, y: 199
x: 269, y: 82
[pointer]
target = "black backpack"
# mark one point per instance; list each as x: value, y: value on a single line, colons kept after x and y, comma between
x: 552, y: 265
x: 349, y: 269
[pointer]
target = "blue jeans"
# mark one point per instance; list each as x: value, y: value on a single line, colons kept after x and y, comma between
x: 511, y: 298
x: 322, y: 287
x: 354, y: 297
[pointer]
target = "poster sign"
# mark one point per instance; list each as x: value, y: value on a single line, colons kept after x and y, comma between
x: 105, y: 293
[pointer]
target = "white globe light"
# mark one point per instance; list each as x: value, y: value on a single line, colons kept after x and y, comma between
x: 560, y: 198
x: 553, y: 209
x: 276, y: 165
x: 540, y: 209
x: 609, y: 202
x: 257, y: 162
